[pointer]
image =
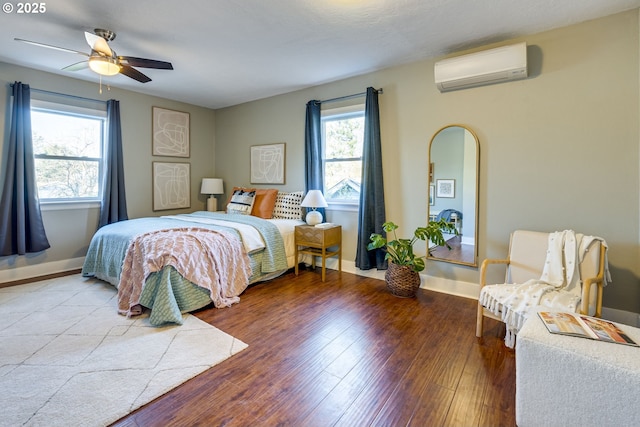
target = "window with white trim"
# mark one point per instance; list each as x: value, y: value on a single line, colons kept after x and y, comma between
x: 343, y: 135
x: 68, y: 147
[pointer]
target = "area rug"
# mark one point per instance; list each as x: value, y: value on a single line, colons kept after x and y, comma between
x: 68, y: 359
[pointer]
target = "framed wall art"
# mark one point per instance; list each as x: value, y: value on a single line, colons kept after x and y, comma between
x: 446, y: 188
x: 170, y: 133
x: 171, y: 186
x: 268, y: 163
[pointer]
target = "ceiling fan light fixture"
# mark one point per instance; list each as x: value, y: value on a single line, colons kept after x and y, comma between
x: 103, y: 60
x: 104, y: 66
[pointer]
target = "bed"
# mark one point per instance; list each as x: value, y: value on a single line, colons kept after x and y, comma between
x: 151, y: 260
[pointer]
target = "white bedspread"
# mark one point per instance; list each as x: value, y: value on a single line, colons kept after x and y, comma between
x: 251, y: 238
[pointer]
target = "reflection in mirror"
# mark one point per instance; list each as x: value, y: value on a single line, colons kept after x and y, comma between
x: 454, y: 154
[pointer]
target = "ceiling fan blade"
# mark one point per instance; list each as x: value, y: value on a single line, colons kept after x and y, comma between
x: 78, y: 66
x: 98, y: 44
x: 145, y: 63
x: 134, y: 74
x: 63, y: 49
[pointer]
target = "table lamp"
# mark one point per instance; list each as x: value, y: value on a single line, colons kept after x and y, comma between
x: 314, y: 199
x: 211, y: 186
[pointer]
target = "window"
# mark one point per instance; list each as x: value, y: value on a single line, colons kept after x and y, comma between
x: 343, y: 135
x: 68, y: 146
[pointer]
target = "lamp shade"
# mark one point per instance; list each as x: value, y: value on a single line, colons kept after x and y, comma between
x: 314, y: 199
x: 211, y: 186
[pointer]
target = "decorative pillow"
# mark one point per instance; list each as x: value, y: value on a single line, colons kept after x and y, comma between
x: 242, y: 200
x: 264, y: 203
x: 288, y: 205
x: 239, y: 188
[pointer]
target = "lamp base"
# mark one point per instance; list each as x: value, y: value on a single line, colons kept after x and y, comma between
x: 212, y: 204
x: 314, y: 217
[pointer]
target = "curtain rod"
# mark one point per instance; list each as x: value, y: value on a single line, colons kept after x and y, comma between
x: 344, y: 98
x: 48, y: 92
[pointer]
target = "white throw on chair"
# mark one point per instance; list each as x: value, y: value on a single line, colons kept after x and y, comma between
x: 553, y: 270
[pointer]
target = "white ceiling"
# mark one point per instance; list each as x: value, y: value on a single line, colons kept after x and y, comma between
x: 226, y: 52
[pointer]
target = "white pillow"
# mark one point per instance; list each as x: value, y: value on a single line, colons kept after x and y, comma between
x: 288, y: 205
x: 241, y: 202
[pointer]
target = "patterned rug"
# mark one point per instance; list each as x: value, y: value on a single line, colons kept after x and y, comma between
x: 67, y: 358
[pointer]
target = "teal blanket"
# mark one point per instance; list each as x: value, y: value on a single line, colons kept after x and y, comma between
x: 166, y: 292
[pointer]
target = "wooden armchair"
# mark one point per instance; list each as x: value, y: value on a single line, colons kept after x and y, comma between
x: 526, y: 261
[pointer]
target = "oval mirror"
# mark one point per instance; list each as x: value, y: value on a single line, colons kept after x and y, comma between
x: 454, y: 154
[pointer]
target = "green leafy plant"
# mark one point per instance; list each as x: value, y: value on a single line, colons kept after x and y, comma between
x: 400, y: 251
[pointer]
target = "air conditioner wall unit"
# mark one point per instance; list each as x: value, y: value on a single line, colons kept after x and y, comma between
x: 490, y: 66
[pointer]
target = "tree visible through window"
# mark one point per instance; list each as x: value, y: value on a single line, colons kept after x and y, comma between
x: 68, y: 151
x: 343, y: 137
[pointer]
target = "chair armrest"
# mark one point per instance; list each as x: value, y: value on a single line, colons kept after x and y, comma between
x: 482, y: 311
x: 598, y: 281
x: 485, y: 264
x: 586, y: 291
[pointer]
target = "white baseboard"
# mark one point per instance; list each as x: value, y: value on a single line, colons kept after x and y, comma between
x: 468, y: 240
x: 448, y: 286
x: 437, y: 284
x: 42, y: 269
x: 472, y: 290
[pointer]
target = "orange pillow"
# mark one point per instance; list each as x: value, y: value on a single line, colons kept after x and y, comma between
x: 265, y: 201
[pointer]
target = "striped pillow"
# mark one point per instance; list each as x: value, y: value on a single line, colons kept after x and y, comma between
x: 242, y: 201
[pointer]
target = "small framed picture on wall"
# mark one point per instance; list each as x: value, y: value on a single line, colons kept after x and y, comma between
x: 446, y: 188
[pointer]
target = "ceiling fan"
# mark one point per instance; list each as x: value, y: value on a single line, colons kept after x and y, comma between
x: 104, y: 61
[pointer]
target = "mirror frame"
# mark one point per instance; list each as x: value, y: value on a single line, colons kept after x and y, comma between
x: 477, y: 190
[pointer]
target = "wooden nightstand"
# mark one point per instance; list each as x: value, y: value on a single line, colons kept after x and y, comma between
x: 318, y: 241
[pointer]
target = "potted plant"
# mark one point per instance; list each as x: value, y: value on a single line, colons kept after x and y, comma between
x: 402, y: 276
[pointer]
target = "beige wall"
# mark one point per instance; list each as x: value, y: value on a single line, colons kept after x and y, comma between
x: 559, y: 150
x: 69, y: 230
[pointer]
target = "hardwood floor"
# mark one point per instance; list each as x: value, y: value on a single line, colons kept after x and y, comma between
x: 346, y: 353
x: 459, y: 251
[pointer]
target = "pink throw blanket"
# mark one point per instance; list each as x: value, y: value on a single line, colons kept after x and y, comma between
x: 211, y: 259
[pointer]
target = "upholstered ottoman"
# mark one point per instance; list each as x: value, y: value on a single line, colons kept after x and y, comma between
x: 568, y: 381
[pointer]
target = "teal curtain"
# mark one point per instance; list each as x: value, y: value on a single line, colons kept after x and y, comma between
x: 371, y: 215
x: 314, y: 170
x: 21, y: 226
x: 113, y: 206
